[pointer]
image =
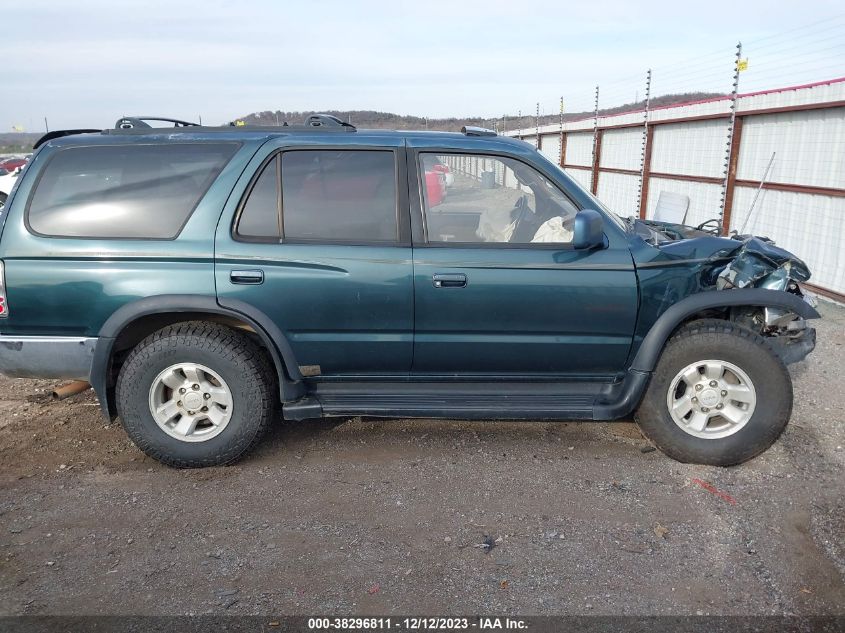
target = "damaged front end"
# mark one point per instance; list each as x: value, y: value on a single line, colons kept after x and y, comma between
x: 713, y: 262
x: 761, y: 264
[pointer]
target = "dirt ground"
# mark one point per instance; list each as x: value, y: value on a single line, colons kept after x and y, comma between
x: 386, y: 517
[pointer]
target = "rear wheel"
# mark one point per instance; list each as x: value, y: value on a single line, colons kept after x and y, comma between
x: 196, y: 394
x: 719, y: 395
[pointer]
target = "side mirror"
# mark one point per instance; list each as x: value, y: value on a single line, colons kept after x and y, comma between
x: 588, y: 230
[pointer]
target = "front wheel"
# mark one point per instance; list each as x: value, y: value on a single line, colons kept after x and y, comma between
x: 196, y: 394
x: 719, y: 395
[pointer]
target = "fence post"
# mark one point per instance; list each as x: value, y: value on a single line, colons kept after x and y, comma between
x: 596, y: 162
x: 730, y: 152
x: 537, y: 127
x: 645, y: 152
x: 730, y: 181
x: 561, y: 147
x: 594, y: 184
x: 646, y: 175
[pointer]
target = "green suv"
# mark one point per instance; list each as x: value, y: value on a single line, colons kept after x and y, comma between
x: 207, y: 280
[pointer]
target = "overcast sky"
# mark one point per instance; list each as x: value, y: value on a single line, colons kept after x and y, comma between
x: 87, y: 62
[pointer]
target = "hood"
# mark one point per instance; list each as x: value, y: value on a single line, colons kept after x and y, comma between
x: 740, y: 261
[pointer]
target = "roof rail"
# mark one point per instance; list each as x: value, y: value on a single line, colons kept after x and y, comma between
x: 132, y: 122
x: 49, y: 136
x: 471, y: 130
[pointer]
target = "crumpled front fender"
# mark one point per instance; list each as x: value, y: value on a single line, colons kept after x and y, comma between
x: 658, y: 335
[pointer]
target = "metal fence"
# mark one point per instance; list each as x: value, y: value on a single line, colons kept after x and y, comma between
x: 764, y: 157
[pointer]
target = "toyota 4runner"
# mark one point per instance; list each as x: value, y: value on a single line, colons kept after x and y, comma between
x: 205, y: 279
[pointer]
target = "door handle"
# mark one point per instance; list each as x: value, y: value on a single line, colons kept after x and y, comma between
x: 247, y: 277
x: 449, y: 280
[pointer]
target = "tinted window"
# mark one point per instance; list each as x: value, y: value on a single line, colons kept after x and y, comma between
x: 260, y: 214
x: 339, y: 195
x: 487, y: 199
x: 131, y: 191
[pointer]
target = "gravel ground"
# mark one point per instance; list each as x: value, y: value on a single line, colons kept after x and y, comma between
x: 379, y: 517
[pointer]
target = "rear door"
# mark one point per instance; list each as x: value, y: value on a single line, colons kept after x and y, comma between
x: 499, y: 288
x: 317, y: 237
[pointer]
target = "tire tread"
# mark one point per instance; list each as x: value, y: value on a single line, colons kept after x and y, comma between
x: 653, y: 416
x: 225, y: 342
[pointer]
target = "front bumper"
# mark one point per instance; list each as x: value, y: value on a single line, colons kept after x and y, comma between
x: 67, y: 357
x: 792, y: 349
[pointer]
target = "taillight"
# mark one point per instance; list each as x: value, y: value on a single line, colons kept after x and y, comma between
x: 4, y: 308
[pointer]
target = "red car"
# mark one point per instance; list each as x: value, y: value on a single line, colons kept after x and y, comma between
x: 12, y: 164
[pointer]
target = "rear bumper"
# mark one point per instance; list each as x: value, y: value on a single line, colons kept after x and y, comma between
x: 68, y: 357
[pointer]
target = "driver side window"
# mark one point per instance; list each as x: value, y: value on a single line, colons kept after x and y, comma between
x: 471, y: 198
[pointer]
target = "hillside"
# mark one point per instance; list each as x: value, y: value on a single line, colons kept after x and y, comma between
x: 17, y: 142
x: 387, y: 120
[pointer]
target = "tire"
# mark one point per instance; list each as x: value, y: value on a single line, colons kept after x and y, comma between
x: 232, y: 369
x: 740, y: 352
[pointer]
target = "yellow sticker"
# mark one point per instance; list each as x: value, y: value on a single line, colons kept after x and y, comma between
x: 240, y: 123
x: 742, y: 64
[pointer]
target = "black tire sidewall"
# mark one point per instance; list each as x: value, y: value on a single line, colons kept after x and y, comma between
x: 238, y: 370
x: 768, y: 375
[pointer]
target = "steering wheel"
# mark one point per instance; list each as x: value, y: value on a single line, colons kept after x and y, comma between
x: 710, y: 226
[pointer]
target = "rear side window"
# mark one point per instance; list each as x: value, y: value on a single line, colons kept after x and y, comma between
x: 260, y: 217
x: 124, y: 191
x: 325, y: 195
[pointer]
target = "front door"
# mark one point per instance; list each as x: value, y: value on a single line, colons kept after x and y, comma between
x: 498, y: 287
x: 320, y: 243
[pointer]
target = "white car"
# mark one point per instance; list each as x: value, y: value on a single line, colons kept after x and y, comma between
x: 6, y: 184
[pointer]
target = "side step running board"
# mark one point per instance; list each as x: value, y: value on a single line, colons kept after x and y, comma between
x: 302, y: 409
x: 473, y: 401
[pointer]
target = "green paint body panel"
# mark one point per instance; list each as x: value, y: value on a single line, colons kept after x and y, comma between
x: 524, y: 311
x: 347, y: 308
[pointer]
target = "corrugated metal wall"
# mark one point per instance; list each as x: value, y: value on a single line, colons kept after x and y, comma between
x: 802, y: 203
x: 551, y: 147
x: 695, y: 148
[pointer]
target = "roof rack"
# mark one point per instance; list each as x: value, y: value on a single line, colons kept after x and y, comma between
x: 141, y: 125
x: 471, y: 130
x: 132, y: 122
x: 326, y: 120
